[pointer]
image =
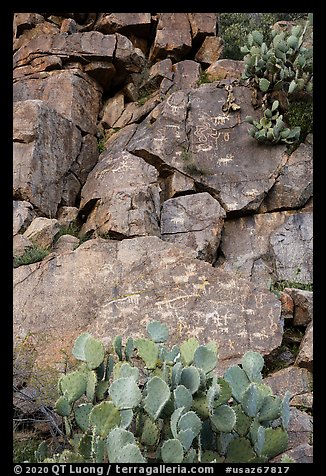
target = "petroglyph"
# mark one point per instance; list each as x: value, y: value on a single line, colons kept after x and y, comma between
x: 225, y: 160
x: 174, y: 103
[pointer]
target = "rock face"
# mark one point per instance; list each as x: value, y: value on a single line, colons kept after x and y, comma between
x: 130, y: 132
x: 195, y: 221
x: 201, y: 135
x: 39, y: 133
x: 128, y: 283
x: 291, y: 246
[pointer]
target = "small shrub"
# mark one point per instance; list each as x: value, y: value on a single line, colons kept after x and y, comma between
x: 33, y: 254
x: 204, y: 78
x: 145, y: 402
x: 300, y: 113
x: 72, y: 229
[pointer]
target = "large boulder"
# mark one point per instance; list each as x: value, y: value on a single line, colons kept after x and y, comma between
x: 202, y: 133
x: 109, y: 287
x: 253, y: 246
x: 291, y: 247
x: 293, y: 187
x: 46, y: 144
x: 124, y: 193
x: 77, y: 98
x: 173, y: 37
x: 195, y: 221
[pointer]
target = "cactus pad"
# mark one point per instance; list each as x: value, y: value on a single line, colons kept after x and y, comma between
x: 125, y: 393
x: 205, y: 358
x: 117, y: 345
x: 276, y: 441
x: 73, y: 385
x: 130, y: 454
x: 82, y: 415
x: 182, y: 397
x: 158, y: 393
x: 150, y: 433
x: 239, y: 451
x: 252, y: 400
x: 172, y: 451
x: 148, y: 351
x: 223, y: 419
x: 190, y: 378
x: 285, y: 410
x: 91, y: 385
x: 271, y: 408
x: 126, y: 418
x: 253, y: 363
x: 238, y: 381
x: 116, y: 440
x: 126, y: 370
x: 129, y: 348
x: 62, y: 406
x: 104, y: 417
x: 94, y: 352
x: 187, y: 350
x: 78, y: 350
x: 157, y: 331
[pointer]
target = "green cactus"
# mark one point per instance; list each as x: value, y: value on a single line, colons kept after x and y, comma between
x: 42, y: 452
x: 176, y: 374
x: 117, y: 439
x: 126, y: 370
x: 150, y: 433
x: 276, y: 442
x: 239, y: 450
x: 117, y: 345
x: 157, y: 331
x: 125, y: 393
x: 109, y: 368
x: 223, y: 419
x: 270, y: 409
x: 129, y: 348
x: 62, y: 406
x: 147, y: 351
x: 285, y: 410
x: 252, y: 362
x: 78, y: 350
x: 187, y: 350
x: 73, y: 385
x: 130, y: 454
x: 85, y: 446
x: 168, y: 406
x: 205, y: 358
x: 104, y: 417
x: 225, y: 392
x: 172, y: 451
x: 82, y: 415
x: 238, y: 381
x: 243, y: 422
x: 126, y: 418
x: 158, y: 394
x: 91, y: 385
x: 190, y: 378
x: 182, y: 397
x: 101, y: 390
x: 252, y: 400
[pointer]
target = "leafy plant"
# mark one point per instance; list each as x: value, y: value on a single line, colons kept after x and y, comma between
x: 271, y: 128
x: 146, y: 402
x: 283, y: 65
x: 33, y: 254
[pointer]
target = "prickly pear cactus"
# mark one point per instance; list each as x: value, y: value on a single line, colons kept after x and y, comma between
x: 145, y: 403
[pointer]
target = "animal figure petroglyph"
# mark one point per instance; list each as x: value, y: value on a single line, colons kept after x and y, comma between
x: 225, y: 160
